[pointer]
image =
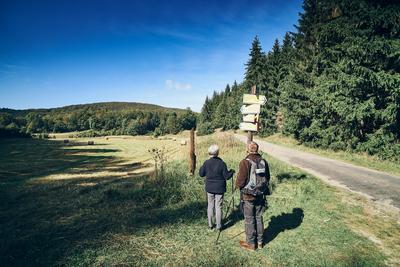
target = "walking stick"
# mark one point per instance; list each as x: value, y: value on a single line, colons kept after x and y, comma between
x: 232, y: 200
x: 233, y: 195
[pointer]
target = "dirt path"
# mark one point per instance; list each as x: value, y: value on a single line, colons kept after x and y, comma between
x: 378, y: 186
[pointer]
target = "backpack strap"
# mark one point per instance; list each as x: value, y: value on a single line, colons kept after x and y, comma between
x: 251, y: 162
x: 251, y: 176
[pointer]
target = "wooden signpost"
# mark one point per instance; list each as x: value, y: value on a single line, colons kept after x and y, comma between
x: 250, y: 118
x: 251, y: 109
x: 251, y: 113
x: 192, y: 154
x: 254, y: 99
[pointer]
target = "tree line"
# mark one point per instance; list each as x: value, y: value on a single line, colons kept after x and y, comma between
x: 96, y: 120
x: 334, y: 83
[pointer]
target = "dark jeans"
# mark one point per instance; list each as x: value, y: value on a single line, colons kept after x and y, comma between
x: 253, y: 220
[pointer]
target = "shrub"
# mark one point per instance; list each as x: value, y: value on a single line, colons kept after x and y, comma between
x: 205, y: 128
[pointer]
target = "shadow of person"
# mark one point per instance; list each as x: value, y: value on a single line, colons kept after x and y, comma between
x: 234, y: 216
x: 290, y: 176
x: 280, y: 223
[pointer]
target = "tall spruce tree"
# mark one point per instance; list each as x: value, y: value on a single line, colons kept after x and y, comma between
x: 234, y: 106
x: 221, y: 119
x: 255, y: 68
x: 270, y: 109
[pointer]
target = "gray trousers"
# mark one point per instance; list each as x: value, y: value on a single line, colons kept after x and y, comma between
x: 214, y: 203
x: 253, y: 220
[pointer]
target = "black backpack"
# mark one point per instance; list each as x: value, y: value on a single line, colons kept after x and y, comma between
x: 258, y: 183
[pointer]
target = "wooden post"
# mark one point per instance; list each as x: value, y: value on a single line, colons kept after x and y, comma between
x: 250, y: 133
x: 192, y: 155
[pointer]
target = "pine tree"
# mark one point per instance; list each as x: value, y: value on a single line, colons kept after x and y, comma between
x: 234, y: 103
x: 227, y: 90
x: 206, y: 111
x: 255, y: 68
x: 221, y: 115
x: 204, y: 125
x: 172, y: 124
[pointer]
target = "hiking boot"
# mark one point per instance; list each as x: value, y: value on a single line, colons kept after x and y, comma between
x: 260, y: 245
x: 247, y: 246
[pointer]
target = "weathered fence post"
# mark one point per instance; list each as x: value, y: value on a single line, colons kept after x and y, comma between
x: 192, y: 155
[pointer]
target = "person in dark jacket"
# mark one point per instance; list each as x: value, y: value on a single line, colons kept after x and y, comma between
x: 253, y: 207
x: 216, y: 173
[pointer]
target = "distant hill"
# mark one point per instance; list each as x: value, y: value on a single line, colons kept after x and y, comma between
x: 106, y: 106
x: 106, y: 118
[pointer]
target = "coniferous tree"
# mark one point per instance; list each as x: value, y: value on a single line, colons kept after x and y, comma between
x: 255, y: 67
x: 205, y: 118
x: 270, y: 109
x: 206, y: 111
x: 221, y: 119
x: 234, y: 103
x: 227, y: 90
x: 171, y: 124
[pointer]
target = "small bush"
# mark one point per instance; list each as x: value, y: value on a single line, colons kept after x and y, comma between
x: 157, y: 132
x: 205, y: 128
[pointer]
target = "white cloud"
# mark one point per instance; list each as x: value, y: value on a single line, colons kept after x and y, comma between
x: 173, y: 85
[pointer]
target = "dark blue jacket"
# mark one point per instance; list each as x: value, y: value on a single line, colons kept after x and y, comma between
x: 216, y: 173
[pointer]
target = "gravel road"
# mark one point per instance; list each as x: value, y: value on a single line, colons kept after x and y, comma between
x: 378, y: 186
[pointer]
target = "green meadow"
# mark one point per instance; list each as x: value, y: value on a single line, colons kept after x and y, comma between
x: 74, y: 204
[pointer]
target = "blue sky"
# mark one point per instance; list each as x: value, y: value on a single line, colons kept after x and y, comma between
x: 171, y: 53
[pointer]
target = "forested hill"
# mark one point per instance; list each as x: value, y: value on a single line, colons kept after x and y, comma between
x: 111, y: 106
x: 334, y: 83
x: 98, y: 119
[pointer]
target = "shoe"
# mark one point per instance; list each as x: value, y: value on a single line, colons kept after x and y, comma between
x: 247, y: 246
x: 260, y: 245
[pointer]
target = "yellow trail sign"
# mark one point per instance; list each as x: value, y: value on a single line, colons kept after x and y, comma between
x: 250, y: 118
x: 254, y: 99
x: 247, y: 126
x: 251, y: 109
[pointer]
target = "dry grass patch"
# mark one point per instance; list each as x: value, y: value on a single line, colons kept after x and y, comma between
x: 375, y: 222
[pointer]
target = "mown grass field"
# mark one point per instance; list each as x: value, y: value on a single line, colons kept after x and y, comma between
x: 78, y: 205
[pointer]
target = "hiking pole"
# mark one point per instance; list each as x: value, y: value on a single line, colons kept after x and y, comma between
x: 219, y: 233
x: 233, y: 191
x: 227, y: 212
x: 232, y: 200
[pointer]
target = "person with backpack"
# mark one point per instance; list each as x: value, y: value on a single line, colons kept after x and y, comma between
x: 216, y: 173
x: 252, y: 180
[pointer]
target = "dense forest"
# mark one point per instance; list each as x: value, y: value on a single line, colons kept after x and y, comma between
x: 334, y: 83
x: 112, y: 118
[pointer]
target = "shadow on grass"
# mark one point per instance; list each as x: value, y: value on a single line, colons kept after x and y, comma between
x: 44, y: 222
x: 22, y: 159
x: 234, y: 216
x: 290, y: 176
x: 280, y: 223
x: 186, y: 213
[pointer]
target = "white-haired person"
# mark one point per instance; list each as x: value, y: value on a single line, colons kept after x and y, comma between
x: 216, y: 173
